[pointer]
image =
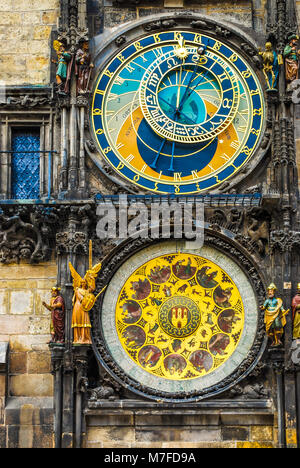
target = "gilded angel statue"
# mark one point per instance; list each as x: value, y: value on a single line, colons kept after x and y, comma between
x: 83, y: 301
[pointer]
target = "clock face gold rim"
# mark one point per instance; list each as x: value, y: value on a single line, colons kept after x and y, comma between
x: 136, y: 150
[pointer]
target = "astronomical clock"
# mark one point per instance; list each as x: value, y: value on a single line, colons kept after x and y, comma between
x: 177, y: 112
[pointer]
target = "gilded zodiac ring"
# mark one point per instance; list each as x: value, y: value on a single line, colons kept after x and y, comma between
x: 179, y: 317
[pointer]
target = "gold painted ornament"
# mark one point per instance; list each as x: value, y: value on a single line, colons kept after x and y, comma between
x: 84, y: 300
x: 275, y: 316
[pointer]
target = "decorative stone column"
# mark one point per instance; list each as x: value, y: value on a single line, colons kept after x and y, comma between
x: 70, y: 362
x: 72, y: 30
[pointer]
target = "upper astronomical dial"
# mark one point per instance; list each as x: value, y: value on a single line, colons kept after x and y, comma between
x: 173, y: 93
x: 173, y: 120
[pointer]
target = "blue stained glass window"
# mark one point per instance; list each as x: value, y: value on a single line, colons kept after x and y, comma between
x: 25, y: 167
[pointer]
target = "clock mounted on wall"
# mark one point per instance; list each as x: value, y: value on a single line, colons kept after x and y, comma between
x: 177, y: 112
x: 175, y: 324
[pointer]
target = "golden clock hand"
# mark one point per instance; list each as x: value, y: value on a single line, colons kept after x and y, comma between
x: 179, y: 88
x: 201, y: 51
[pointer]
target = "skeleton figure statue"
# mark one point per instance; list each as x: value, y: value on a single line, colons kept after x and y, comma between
x: 270, y: 65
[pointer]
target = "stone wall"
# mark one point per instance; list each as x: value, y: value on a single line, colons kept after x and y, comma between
x: 25, y: 324
x: 26, y: 393
x: 245, y: 13
x: 238, y: 11
x: 233, y: 424
x: 25, y: 29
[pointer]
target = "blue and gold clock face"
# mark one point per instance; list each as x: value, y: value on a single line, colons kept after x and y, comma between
x: 177, y: 112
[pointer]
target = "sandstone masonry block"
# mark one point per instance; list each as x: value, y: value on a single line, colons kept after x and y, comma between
x: 19, y: 343
x: 49, y: 17
x: 254, y: 445
x: 18, y: 363
x: 29, y: 411
x: 21, y: 302
x: 39, y: 363
x: 109, y: 435
x: 37, y: 63
x: 30, y: 437
x: 2, y: 385
x: 261, y: 433
x: 13, y: 325
x: 39, y: 325
x: 18, y: 47
x: 24, y: 5
x: 2, y: 409
x: 3, y: 302
x: 31, y: 17
x: 12, y: 64
x: 2, y: 436
x: 9, y: 18
x: 38, y: 77
x: 42, y: 32
x: 21, y: 271
x: 38, y: 47
x: 6, y: 5
x: 42, y: 295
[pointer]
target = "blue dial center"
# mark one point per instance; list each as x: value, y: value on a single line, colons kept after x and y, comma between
x: 173, y: 94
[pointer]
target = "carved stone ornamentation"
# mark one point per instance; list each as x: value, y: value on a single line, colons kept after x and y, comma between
x: 250, y: 226
x: 120, y: 41
x: 26, y: 234
x: 108, y: 389
x: 26, y: 101
x: 72, y: 26
x: 258, y: 228
x: 249, y: 392
x: 75, y: 242
x: 156, y: 25
x: 283, y: 241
